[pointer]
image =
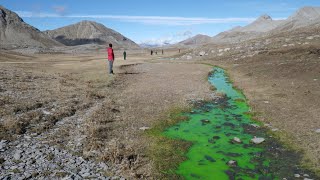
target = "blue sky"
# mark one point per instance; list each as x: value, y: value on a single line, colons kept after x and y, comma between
x: 154, y: 21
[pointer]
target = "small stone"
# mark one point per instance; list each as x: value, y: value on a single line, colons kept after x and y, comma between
x: 3, y: 144
x: 256, y: 140
x: 297, y: 175
x: 275, y: 129
x: 87, y: 174
x: 202, y: 53
x: 306, y: 175
x: 232, y: 163
x: 307, y: 179
x: 318, y: 131
x: 144, y: 128
x: 17, y: 155
x: 255, y: 125
x: 236, y: 140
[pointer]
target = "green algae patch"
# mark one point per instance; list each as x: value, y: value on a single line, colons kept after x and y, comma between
x: 220, y: 133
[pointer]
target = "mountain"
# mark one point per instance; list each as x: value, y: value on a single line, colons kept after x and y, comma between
x: 304, y: 17
x: 90, y: 32
x: 14, y: 32
x: 196, y: 40
x: 257, y: 28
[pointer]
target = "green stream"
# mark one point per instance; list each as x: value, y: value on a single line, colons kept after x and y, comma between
x: 211, y: 128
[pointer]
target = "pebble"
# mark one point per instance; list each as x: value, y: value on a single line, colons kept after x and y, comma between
x: 232, y: 163
x: 297, y: 175
x: 17, y: 155
x: 257, y: 140
x: 255, y: 125
x: 237, y: 140
x: 317, y: 131
x: 144, y: 128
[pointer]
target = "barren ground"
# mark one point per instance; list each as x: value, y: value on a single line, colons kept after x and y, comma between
x: 71, y: 102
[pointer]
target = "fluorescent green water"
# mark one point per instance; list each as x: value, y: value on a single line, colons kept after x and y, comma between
x: 211, y: 128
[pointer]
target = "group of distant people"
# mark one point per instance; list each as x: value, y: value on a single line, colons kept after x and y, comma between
x: 111, y: 57
x: 156, y: 52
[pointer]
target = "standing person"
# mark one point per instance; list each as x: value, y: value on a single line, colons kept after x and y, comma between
x: 179, y: 50
x: 110, y: 58
x: 162, y: 51
x: 151, y: 52
x: 124, y: 55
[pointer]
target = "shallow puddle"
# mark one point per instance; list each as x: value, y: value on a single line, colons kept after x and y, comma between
x: 214, y: 154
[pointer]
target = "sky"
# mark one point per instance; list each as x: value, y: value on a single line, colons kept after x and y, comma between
x: 154, y: 21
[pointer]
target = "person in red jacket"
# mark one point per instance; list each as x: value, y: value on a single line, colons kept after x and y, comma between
x: 110, y: 58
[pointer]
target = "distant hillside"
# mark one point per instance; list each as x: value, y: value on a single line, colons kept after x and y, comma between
x: 304, y: 17
x: 14, y: 32
x: 238, y: 34
x: 89, y: 32
x: 196, y: 40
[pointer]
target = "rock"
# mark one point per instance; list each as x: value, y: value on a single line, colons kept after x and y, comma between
x: 236, y: 140
x: 87, y: 174
x: 202, y: 53
x: 307, y: 179
x: 46, y: 112
x: 297, y: 175
x: 3, y: 144
x: 144, y: 128
x: 17, y: 155
x: 232, y: 163
x: 255, y: 125
x: 306, y: 175
x: 205, y: 121
x: 189, y: 57
x: 317, y: 131
x: 256, y: 140
x: 274, y: 129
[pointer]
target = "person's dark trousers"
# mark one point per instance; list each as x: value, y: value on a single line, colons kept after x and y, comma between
x: 110, y: 67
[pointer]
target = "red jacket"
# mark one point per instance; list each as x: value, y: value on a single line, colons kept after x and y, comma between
x: 110, y: 54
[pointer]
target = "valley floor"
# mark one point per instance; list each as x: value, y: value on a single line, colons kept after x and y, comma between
x: 63, y: 116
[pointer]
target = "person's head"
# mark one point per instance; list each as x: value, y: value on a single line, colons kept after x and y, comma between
x: 110, y: 45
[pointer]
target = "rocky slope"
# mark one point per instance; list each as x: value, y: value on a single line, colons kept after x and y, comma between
x: 239, y: 34
x: 14, y: 32
x: 89, y: 32
x: 196, y: 40
x: 304, y: 17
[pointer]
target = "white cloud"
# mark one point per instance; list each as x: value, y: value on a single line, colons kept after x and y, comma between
x: 154, y: 20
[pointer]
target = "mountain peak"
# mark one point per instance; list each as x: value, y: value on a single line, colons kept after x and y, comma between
x: 264, y: 17
x: 307, y: 12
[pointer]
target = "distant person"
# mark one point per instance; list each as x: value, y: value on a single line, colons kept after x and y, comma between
x: 110, y: 58
x: 179, y: 50
x: 156, y: 52
x: 162, y: 51
x: 151, y: 52
x: 124, y: 55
